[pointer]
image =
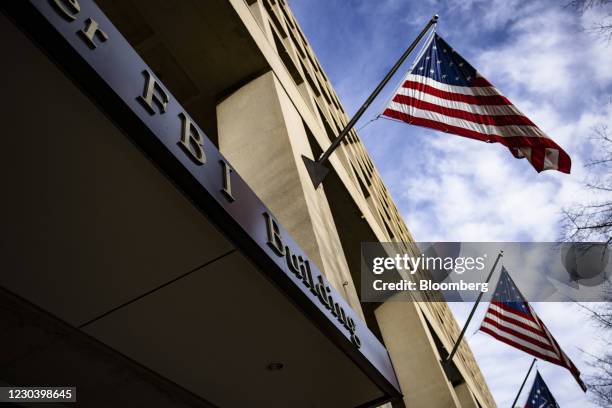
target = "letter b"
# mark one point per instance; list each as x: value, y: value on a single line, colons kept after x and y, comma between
x: 191, y: 140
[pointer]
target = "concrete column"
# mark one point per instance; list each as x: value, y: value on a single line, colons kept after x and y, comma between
x: 414, y: 356
x: 465, y: 397
x: 263, y: 137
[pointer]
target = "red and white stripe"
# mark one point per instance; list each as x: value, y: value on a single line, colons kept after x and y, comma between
x: 526, y: 332
x: 479, y: 112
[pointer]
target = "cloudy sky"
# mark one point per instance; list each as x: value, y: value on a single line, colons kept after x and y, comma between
x: 455, y: 189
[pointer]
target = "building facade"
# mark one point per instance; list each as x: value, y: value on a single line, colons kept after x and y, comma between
x: 164, y: 243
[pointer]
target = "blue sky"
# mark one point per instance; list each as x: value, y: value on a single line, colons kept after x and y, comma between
x: 455, y: 189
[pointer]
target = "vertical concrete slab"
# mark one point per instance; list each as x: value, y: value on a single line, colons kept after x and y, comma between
x: 263, y: 137
x: 414, y: 356
x: 465, y: 396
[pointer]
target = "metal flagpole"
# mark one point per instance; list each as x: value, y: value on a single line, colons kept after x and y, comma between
x: 523, y: 384
x: 446, y: 363
x: 316, y: 169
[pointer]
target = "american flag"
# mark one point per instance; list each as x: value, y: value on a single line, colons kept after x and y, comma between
x: 444, y: 92
x: 511, y: 320
x: 540, y: 396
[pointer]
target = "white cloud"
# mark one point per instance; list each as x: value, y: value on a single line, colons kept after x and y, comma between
x: 547, y: 54
x: 467, y: 190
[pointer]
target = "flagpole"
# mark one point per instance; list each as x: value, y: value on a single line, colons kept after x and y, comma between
x: 523, y: 384
x: 316, y: 169
x: 449, y: 359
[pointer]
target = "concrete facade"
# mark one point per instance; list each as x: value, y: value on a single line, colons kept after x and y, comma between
x: 418, y: 364
x: 262, y: 135
x: 263, y: 128
x: 307, y: 100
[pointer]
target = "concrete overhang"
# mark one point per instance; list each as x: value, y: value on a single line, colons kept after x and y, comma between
x: 128, y: 268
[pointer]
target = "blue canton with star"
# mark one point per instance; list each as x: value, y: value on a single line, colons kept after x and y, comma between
x: 507, y: 293
x: 540, y: 396
x: 443, y: 64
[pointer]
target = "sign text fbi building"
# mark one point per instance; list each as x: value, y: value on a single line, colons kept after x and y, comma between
x: 84, y: 42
